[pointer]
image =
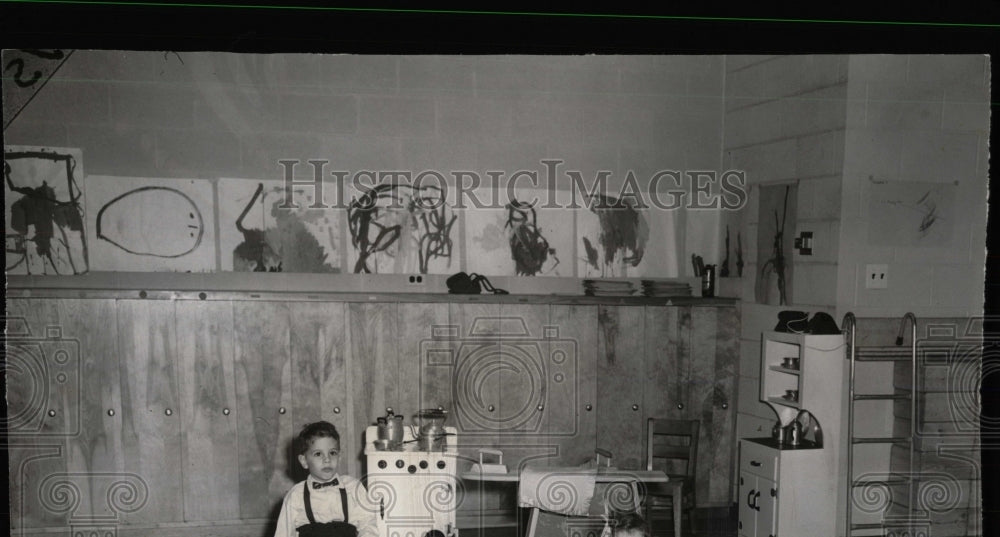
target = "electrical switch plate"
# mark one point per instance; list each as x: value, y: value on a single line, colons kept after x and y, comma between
x: 876, y: 276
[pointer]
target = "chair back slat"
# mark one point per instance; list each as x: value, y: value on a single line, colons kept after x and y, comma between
x: 672, y: 440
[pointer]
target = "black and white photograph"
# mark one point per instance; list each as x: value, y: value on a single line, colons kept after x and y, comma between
x: 382, y: 272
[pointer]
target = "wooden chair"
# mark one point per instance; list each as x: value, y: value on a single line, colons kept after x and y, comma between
x: 671, y: 440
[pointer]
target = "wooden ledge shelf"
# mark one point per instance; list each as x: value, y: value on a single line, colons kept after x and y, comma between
x: 314, y: 287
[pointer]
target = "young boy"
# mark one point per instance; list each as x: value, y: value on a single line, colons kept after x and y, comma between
x: 629, y: 525
x: 326, y: 504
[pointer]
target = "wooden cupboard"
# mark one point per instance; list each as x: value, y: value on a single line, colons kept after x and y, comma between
x: 170, y: 415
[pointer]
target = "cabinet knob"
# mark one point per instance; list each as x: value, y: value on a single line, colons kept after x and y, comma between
x: 281, y: 410
x: 589, y: 407
x: 725, y: 406
x: 635, y: 407
x: 168, y: 412
x: 225, y: 411
x: 540, y: 408
x: 52, y: 413
x: 336, y: 410
x: 111, y: 412
x: 680, y: 406
x: 491, y: 408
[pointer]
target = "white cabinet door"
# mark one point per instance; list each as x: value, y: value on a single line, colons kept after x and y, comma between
x: 748, y: 514
x: 766, y: 507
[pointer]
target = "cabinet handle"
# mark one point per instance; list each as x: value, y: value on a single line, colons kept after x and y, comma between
x: 168, y: 412
x: 491, y: 408
x: 111, y: 412
x: 540, y: 408
x: 680, y: 406
x: 225, y: 411
x: 741, y: 524
x: 336, y: 410
x: 589, y: 407
x: 750, y: 498
x: 754, y: 463
x: 774, y: 493
x: 635, y: 407
x: 725, y: 406
x: 281, y: 410
x: 756, y: 504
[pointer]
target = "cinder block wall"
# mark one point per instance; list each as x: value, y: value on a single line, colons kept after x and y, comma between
x: 210, y: 115
x: 919, y: 119
x: 785, y: 122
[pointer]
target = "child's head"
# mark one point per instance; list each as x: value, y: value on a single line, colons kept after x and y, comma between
x: 318, y: 447
x: 629, y: 525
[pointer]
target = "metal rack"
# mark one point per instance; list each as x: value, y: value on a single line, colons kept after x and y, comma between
x: 881, y: 354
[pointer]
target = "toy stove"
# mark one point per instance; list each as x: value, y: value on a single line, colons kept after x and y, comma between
x: 416, y: 490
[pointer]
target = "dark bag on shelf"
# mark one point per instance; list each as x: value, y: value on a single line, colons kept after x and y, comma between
x: 471, y: 284
x: 822, y: 324
x: 795, y: 322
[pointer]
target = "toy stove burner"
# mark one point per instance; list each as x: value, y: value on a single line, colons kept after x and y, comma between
x: 416, y: 490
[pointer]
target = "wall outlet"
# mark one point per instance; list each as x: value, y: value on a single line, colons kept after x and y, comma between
x: 876, y: 276
x: 415, y: 280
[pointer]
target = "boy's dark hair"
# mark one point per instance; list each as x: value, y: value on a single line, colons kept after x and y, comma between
x: 629, y: 522
x: 313, y: 431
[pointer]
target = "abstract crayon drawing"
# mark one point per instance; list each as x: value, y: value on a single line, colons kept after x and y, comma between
x: 521, y: 239
x: 258, y: 232
x: 44, y: 223
x: 149, y: 225
x: 401, y: 229
x: 613, y: 237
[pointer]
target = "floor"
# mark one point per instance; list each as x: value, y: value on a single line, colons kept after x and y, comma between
x: 712, y: 522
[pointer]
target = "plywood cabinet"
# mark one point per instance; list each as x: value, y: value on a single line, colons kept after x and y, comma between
x: 193, y: 404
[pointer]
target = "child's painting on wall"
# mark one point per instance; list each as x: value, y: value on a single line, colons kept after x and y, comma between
x: 259, y: 233
x: 150, y: 225
x: 402, y: 229
x: 775, y: 230
x: 519, y: 236
x: 44, y: 199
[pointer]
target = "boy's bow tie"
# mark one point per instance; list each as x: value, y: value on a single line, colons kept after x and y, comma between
x: 333, y: 483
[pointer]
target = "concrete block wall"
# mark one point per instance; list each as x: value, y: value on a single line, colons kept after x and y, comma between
x: 784, y: 123
x: 210, y: 115
x: 916, y: 118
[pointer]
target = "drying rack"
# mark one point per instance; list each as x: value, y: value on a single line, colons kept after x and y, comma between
x: 895, y: 525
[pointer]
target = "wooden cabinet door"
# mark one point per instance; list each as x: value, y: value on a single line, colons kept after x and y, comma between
x: 151, y: 416
x: 525, y: 357
x: 372, y: 363
x: 620, y: 384
x: 262, y: 367
x: 709, y: 346
x: 570, y: 412
x: 94, y: 457
x: 43, y: 408
x: 319, y: 384
x: 426, y: 360
x: 208, y: 410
